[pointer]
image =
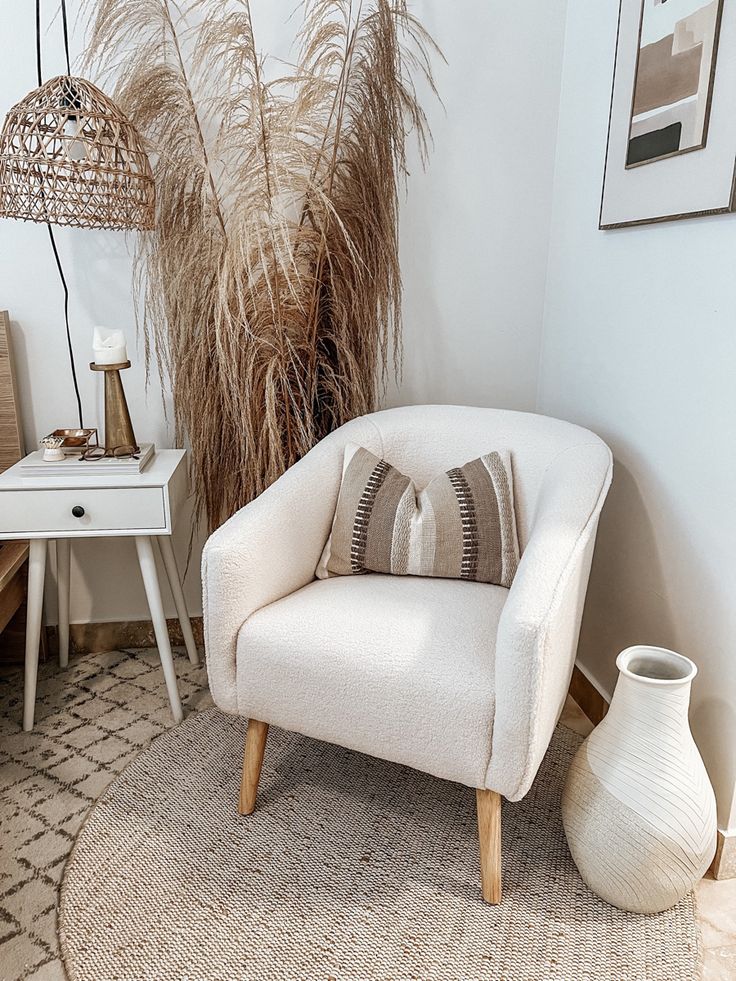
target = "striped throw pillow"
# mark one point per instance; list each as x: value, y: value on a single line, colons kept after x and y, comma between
x: 461, y: 526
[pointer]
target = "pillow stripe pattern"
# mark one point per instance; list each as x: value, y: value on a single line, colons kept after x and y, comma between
x: 363, y: 515
x: 468, y: 519
x: 461, y: 526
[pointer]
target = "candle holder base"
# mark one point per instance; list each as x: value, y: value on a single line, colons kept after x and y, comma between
x: 118, y: 427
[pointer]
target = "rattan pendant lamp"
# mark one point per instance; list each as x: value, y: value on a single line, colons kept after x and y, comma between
x: 68, y: 156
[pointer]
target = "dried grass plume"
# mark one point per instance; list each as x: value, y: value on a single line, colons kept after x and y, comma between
x: 270, y: 287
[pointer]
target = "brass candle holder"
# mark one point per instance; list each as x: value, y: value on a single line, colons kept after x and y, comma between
x: 118, y: 427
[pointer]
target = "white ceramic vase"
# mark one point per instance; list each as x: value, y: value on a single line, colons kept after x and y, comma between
x: 638, y: 808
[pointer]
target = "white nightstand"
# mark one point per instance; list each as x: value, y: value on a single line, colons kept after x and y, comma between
x: 140, y: 506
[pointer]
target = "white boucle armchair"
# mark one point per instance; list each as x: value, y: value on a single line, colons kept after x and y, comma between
x: 463, y: 680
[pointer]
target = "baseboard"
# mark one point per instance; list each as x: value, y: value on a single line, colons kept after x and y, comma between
x: 93, y: 638
x: 724, y: 864
x: 588, y: 697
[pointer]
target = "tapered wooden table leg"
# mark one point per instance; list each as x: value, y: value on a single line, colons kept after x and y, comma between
x: 489, y: 831
x: 255, y: 746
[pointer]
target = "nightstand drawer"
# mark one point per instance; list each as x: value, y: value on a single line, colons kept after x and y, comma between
x: 100, y: 509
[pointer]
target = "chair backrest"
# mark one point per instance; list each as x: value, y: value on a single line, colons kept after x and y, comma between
x: 424, y: 440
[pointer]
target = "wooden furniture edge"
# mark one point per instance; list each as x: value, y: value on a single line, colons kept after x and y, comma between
x: 12, y: 596
x: 11, y: 437
x: 12, y: 557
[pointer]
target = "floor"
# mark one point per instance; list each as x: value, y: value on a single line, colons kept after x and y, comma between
x: 92, y: 720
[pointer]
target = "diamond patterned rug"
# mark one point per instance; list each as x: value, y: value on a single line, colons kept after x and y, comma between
x: 91, y: 720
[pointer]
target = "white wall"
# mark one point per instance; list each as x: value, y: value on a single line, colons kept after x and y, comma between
x: 475, y: 226
x: 640, y: 345
x: 474, y: 239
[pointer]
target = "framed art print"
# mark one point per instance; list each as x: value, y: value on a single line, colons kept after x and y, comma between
x: 671, y: 149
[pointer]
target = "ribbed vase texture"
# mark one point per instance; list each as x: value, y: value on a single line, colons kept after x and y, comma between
x: 638, y: 808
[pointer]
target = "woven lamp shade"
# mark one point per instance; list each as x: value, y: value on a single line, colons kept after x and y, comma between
x: 69, y: 156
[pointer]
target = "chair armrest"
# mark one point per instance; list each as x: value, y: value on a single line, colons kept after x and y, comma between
x: 540, y: 623
x: 268, y: 549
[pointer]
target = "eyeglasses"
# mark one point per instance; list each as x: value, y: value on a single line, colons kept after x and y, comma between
x: 118, y: 452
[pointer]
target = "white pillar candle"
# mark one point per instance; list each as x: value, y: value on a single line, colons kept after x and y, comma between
x: 109, y: 346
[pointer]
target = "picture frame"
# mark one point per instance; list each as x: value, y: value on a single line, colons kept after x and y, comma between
x: 671, y: 146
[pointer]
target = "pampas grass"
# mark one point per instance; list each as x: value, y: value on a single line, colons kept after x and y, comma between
x: 270, y: 289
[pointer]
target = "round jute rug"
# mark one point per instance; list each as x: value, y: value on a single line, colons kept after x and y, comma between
x: 350, y: 869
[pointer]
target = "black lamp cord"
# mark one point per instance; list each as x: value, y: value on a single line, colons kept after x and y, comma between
x: 48, y: 225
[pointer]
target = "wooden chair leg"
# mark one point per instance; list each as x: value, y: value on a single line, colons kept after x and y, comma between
x: 255, y: 745
x: 489, y: 831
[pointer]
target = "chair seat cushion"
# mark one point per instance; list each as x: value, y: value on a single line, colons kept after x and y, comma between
x: 400, y: 668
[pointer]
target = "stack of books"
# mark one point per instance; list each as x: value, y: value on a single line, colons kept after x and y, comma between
x: 34, y: 465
